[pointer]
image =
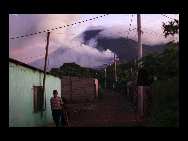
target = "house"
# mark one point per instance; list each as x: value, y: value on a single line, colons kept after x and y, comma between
x: 25, y: 95
x: 79, y: 88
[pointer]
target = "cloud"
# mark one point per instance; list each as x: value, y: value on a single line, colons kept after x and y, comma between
x: 31, y: 46
x: 117, y: 31
x: 27, y: 47
x: 84, y: 55
x: 25, y: 24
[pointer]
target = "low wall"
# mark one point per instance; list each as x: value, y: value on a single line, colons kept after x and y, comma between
x: 79, y: 88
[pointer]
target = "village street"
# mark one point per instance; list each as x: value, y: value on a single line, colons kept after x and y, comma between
x: 114, y: 111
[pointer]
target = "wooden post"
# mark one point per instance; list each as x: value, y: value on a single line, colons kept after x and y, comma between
x: 140, y: 88
x: 48, y: 35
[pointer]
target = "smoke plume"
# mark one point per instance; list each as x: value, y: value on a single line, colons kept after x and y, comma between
x: 64, y: 50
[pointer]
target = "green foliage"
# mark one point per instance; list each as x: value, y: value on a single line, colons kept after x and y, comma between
x: 162, y: 65
x: 165, y: 90
x: 172, y: 44
x: 122, y: 86
x: 123, y: 71
x: 172, y: 28
x: 165, y: 111
x: 74, y: 70
x: 130, y: 86
x: 166, y: 64
x: 123, y: 74
x: 100, y: 92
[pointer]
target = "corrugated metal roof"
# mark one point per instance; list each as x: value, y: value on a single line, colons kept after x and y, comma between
x: 31, y: 67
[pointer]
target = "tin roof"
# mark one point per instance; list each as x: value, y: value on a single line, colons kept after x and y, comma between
x: 33, y: 68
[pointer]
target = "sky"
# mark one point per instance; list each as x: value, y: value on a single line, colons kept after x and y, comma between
x: 115, y: 25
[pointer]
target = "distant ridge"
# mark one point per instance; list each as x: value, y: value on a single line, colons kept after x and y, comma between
x: 126, y: 50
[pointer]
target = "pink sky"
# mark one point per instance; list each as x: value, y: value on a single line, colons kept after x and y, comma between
x: 32, y: 46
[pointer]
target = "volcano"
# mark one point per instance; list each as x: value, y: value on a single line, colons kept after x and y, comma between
x: 95, y: 50
x: 126, y: 49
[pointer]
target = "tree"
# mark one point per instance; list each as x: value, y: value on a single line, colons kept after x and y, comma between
x: 165, y: 90
x: 172, y: 28
x: 166, y: 64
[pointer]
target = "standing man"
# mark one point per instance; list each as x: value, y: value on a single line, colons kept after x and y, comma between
x: 56, y: 106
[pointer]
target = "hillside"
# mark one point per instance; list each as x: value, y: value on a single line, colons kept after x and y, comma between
x: 126, y: 49
x: 97, y: 52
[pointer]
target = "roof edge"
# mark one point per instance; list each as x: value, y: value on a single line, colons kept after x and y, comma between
x: 33, y: 68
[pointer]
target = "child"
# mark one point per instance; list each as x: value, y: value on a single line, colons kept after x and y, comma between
x: 56, y: 106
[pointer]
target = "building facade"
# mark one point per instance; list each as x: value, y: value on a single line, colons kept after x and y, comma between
x: 25, y: 85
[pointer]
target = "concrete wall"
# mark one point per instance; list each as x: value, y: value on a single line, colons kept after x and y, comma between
x: 21, y: 108
x: 79, y: 88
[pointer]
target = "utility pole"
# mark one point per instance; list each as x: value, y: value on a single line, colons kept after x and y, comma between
x: 115, y: 66
x: 140, y: 88
x: 115, y: 72
x: 105, y: 77
x: 48, y: 35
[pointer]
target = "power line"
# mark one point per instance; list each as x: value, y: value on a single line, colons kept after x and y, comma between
x: 121, y: 32
x: 96, y: 40
x: 59, y: 27
x: 168, y: 17
x: 70, y: 34
x: 118, y: 33
x: 127, y: 35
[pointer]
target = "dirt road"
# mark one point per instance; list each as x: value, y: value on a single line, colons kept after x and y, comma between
x: 115, y: 110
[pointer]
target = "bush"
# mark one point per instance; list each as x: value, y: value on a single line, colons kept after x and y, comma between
x: 165, y: 111
x: 100, y: 92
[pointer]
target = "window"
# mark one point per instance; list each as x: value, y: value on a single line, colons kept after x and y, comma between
x: 37, y: 98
